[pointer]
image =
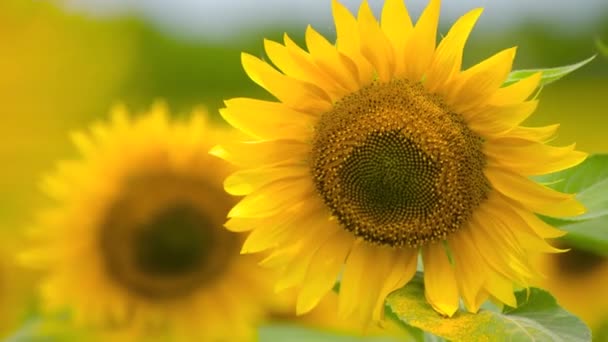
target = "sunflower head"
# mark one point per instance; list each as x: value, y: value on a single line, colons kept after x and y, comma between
x: 135, y: 240
x: 379, y: 149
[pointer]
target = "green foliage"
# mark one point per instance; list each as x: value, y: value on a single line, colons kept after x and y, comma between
x: 601, y: 47
x: 589, y: 181
x: 294, y: 333
x: 549, y: 75
x: 537, y: 318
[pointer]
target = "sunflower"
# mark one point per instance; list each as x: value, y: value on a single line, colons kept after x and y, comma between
x: 578, y: 280
x: 379, y: 149
x: 136, y: 242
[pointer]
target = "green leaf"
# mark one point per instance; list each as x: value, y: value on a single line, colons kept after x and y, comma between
x: 537, y: 318
x: 601, y: 46
x: 590, y: 235
x: 589, y: 180
x: 549, y: 75
x: 293, y: 333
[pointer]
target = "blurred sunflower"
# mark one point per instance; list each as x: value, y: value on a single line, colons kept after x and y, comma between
x: 578, y: 280
x: 380, y: 148
x: 136, y: 241
x: 15, y: 287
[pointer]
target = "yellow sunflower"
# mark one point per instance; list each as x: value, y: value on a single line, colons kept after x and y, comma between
x: 136, y: 242
x: 380, y: 148
x: 578, y: 280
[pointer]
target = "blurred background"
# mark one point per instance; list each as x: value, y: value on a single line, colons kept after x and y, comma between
x: 63, y: 64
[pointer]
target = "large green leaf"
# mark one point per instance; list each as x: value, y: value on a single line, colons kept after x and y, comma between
x: 537, y: 318
x: 549, y: 75
x: 590, y: 235
x: 589, y: 181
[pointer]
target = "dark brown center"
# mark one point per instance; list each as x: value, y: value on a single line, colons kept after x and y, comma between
x: 396, y: 166
x: 163, y: 238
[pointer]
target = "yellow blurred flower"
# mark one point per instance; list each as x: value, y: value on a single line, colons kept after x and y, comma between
x: 56, y: 69
x: 578, y: 280
x: 136, y: 242
x: 380, y: 148
x: 16, y: 286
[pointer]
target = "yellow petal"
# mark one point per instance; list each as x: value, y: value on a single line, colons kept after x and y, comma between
x: 466, y: 264
x: 323, y: 270
x: 268, y: 120
x: 531, y: 158
x: 310, y: 241
x: 348, y: 42
x: 501, y: 288
x: 517, y: 92
x: 273, y: 198
x: 401, y: 268
x: 447, y: 59
x: 374, y: 44
x: 298, y: 64
x: 494, y: 121
x: 475, y: 86
x: 296, y: 94
x: 246, y: 181
x: 540, y: 227
x: 496, y: 254
x: 260, y: 153
x: 327, y: 57
x: 353, y: 280
x: 440, y: 286
x: 537, y: 197
x: 397, y: 26
x: 511, y: 221
x: 540, y: 134
x: 420, y: 47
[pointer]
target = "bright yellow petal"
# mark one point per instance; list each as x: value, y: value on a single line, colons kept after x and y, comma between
x: 246, y: 181
x: 296, y: 94
x: 537, y: 197
x: 323, y: 270
x: 327, y: 57
x: 517, y: 92
x: 420, y: 46
x: 474, y: 86
x: 401, y: 268
x: 447, y: 60
x: 312, y: 238
x: 353, y: 280
x: 273, y: 198
x: 299, y: 65
x: 494, y: 121
x: 440, y: 286
x: 540, y: 134
x: 349, y: 43
x: 268, y: 120
x: 527, y: 238
x: 498, y: 254
x: 531, y: 158
x: 374, y: 44
x: 470, y: 273
x: 260, y: 153
x: 540, y: 227
x: 397, y: 26
x: 500, y: 288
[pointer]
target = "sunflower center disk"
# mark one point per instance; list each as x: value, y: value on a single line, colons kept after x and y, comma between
x: 396, y: 166
x: 172, y: 243
x: 163, y: 237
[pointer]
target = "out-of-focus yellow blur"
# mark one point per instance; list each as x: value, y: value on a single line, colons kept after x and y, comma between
x: 59, y: 72
x: 56, y: 73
